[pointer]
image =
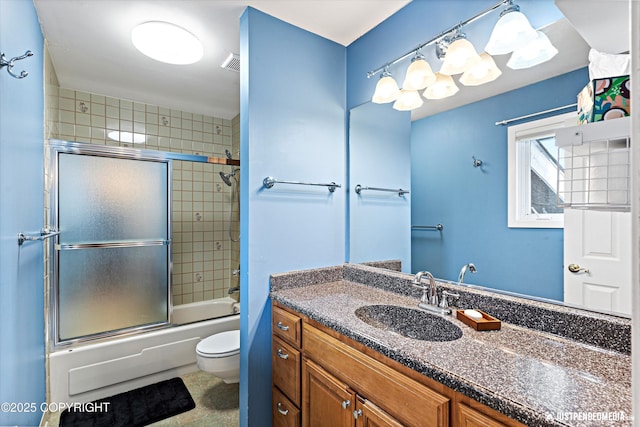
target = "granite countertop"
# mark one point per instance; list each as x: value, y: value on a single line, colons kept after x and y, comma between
x: 537, y: 378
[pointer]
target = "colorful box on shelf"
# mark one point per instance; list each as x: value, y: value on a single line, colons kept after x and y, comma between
x: 604, y: 99
x: 487, y: 323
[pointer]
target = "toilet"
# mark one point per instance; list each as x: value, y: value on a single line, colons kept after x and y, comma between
x: 219, y: 354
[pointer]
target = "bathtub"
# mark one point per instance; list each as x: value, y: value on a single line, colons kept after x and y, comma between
x: 94, y: 371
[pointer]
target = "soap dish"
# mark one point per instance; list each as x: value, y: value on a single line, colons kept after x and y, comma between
x: 487, y: 323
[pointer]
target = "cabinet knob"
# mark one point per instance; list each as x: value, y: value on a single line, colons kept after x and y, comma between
x: 346, y: 404
x: 282, y: 411
x: 357, y: 413
x: 282, y: 355
x: 281, y: 326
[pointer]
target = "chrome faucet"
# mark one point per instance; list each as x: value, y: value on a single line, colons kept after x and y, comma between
x: 429, y: 300
x: 463, y: 270
x: 234, y: 290
x: 429, y: 294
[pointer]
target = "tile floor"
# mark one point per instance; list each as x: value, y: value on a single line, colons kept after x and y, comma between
x: 217, y: 404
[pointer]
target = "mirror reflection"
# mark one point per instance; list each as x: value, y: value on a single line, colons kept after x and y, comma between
x: 459, y: 178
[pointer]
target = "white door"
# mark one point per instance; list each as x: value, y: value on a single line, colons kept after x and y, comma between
x: 599, y: 243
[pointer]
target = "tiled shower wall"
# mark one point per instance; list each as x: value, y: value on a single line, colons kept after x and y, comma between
x: 203, y: 254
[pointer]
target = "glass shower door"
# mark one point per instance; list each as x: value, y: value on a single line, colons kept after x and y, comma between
x: 112, y: 257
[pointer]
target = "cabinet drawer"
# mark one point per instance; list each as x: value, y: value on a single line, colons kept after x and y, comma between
x: 408, y: 401
x: 469, y: 417
x: 286, y: 325
x: 285, y: 413
x: 285, y: 362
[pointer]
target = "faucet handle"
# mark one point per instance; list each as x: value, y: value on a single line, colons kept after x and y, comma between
x: 443, y: 302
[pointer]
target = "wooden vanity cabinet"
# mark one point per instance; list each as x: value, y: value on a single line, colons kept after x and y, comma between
x: 337, y: 382
x: 369, y: 415
x: 286, y: 361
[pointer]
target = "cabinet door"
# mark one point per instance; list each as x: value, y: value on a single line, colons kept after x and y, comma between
x: 328, y: 402
x: 285, y: 413
x: 369, y: 415
x: 285, y: 362
x: 469, y: 417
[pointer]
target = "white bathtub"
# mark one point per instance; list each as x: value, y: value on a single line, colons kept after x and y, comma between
x: 94, y: 371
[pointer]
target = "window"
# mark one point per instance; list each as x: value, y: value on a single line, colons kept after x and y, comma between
x: 533, y: 173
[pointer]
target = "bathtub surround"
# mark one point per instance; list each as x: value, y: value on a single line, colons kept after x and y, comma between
x: 527, y: 373
x: 203, y: 255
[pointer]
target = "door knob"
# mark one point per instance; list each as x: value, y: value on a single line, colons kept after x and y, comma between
x: 575, y: 268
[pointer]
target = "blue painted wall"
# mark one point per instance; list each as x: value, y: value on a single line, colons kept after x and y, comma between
x: 22, y: 362
x: 292, y: 127
x: 472, y: 202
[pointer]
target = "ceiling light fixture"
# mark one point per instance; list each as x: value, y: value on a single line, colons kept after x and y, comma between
x: 166, y: 42
x: 128, y: 137
x: 512, y: 31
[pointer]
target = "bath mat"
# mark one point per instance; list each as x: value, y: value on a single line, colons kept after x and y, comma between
x: 138, y: 407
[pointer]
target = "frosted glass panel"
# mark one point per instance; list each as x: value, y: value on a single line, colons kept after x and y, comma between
x: 103, y: 199
x: 106, y: 289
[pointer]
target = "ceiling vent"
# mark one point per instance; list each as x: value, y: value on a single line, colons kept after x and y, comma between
x: 232, y: 62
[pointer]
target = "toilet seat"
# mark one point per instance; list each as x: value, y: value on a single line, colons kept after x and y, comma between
x: 223, y: 344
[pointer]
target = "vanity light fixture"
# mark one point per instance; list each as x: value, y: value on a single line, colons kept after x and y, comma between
x: 511, y: 33
x: 444, y: 87
x: 460, y: 55
x: 419, y: 74
x: 538, y: 51
x: 484, y: 72
x: 166, y: 42
x: 387, y: 89
x: 408, y: 100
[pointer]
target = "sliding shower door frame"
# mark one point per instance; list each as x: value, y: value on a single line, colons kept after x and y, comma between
x: 57, y: 147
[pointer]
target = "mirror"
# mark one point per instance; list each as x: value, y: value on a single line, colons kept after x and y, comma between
x: 470, y: 200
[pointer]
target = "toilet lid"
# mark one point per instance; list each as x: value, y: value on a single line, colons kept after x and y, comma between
x: 221, y: 344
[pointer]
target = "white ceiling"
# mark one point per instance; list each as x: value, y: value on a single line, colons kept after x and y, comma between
x: 89, y: 43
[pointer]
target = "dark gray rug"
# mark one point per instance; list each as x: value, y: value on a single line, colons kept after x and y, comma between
x: 138, y: 407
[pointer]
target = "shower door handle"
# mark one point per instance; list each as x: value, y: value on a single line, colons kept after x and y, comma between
x: 45, y: 233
